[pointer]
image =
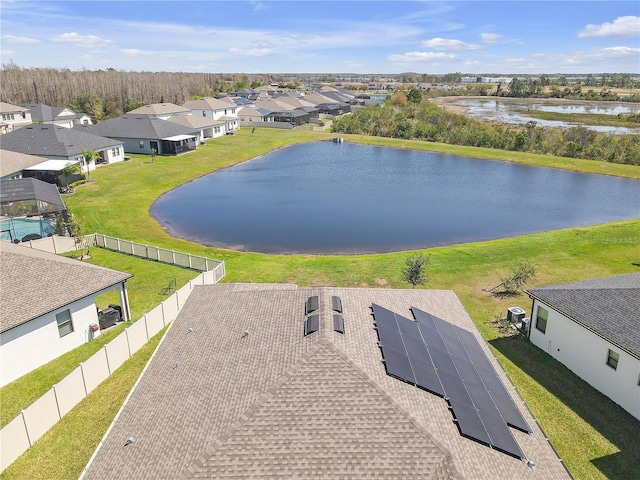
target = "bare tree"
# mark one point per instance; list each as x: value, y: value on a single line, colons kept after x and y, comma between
x: 514, y: 281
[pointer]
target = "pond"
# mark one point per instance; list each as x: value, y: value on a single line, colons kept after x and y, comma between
x: 329, y: 198
x: 515, y: 112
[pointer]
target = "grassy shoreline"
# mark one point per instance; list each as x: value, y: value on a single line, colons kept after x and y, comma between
x: 584, y: 437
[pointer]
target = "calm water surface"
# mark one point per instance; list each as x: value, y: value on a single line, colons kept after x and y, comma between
x: 326, y: 198
x: 512, y: 111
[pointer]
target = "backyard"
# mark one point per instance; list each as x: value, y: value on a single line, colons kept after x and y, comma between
x: 595, y: 438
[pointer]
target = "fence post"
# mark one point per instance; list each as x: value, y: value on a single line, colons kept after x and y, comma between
x: 26, y: 430
x: 118, y: 244
x: 84, y: 383
x: 55, y: 394
x: 189, y: 257
x: 173, y: 256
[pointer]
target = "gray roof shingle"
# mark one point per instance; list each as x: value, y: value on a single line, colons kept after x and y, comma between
x: 607, y: 306
x: 138, y: 126
x: 14, y: 162
x: 214, y: 403
x: 34, y: 283
x: 50, y: 140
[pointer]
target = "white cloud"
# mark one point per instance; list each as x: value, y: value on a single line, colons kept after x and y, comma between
x: 449, y: 44
x: 491, y: 37
x: 628, y: 26
x: 252, y: 52
x: 135, y: 52
x: 413, y: 57
x: 15, y: 40
x: 82, y: 40
x: 622, y: 51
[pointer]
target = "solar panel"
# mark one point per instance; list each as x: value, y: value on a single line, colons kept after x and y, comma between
x: 503, y: 400
x: 408, y: 327
x: 453, y: 385
x: 416, y: 349
x: 397, y: 365
x: 500, y: 435
x: 469, y: 422
x: 390, y: 338
x: 336, y: 304
x: 447, y: 360
x: 426, y: 377
x: 311, y: 305
x: 311, y: 324
x: 338, y: 323
x: 382, y: 315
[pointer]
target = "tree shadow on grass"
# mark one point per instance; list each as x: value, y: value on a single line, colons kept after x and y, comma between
x: 609, y: 419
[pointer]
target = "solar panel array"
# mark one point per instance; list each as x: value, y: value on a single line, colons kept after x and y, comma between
x: 447, y: 360
x: 338, y: 323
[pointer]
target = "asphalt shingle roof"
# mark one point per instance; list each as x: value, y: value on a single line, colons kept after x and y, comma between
x: 207, y: 103
x: 139, y: 126
x: 158, y: 109
x: 215, y: 403
x: 34, y: 283
x: 50, y: 140
x: 14, y: 162
x: 607, y: 306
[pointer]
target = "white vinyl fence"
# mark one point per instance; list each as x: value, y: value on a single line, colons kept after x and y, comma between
x: 33, y: 422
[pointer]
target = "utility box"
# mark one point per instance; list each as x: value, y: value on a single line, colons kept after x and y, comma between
x: 515, y: 314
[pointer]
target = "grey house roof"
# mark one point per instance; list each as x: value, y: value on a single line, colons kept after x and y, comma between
x: 138, y: 126
x: 609, y: 307
x: 9, y: 108
x: 35, y: 283
x: 207, y: 103
x: 14, y: 162
x: 50, y: 140
x: 195, y: 121
x: 215, y: 403
x: 159, y: 109
x: 44, y: 113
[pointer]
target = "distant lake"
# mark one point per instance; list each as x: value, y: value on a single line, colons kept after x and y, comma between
x: 326, y: 198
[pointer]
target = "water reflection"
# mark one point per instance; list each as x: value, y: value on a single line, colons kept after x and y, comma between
x: 514, y: 112
x: 346, y: 198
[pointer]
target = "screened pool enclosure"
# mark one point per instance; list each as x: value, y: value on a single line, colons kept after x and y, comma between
x: 28, y: 208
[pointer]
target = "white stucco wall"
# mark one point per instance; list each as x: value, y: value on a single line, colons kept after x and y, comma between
x: 109, y: 156
x: 30, y: 345
x: 585, y: 354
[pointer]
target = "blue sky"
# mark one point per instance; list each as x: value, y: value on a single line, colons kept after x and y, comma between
x: 324, y: 36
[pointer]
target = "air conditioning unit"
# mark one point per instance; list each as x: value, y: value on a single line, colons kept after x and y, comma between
x: 515, y: 314
x: 526, y: 322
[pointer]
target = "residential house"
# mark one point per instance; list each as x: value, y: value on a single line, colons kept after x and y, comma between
x: 250, y: 115
x: 215, y: 109
x: 277, y: 381
x: 593, y: 328
x: 60, y: 146
x: 48, y: 306
x: 13, y: 117
x: 60, y: 116
x: 207, y: 127
x: 327, y: 105
x: 148, y: 134
x: 160, y: 110
x: 12, y: 164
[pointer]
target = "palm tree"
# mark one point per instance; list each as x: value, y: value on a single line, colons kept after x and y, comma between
x: 90, y: 156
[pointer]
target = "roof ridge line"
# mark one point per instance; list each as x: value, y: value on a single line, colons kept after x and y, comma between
x: 264, y: 397
x: 401, y: 410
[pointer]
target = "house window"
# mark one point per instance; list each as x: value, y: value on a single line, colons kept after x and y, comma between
x: 85, y: 122
x: 7, y: 116
x: 65, y: 325
x: 216, y: 129
x: 233, y: 110
x: 612, y: 359
x: 541, y: 320
x: 141, y: 143
x: 204, y: 114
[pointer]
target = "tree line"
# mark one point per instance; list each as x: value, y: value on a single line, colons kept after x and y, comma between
x: 109, y: 93
x: 414, y: 117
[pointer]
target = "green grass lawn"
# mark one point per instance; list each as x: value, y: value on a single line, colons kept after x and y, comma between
x: 595, y: 438
x: 144, y: 291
